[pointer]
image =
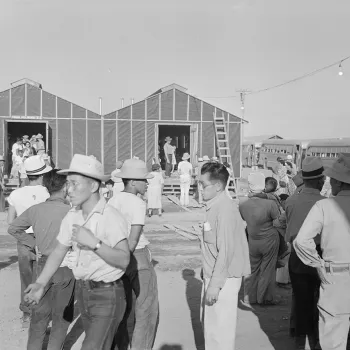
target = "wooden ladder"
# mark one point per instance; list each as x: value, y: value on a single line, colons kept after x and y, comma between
x: 223, y: 148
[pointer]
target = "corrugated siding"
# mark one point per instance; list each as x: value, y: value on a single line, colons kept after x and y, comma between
x: 166, y: 105
x: 208, y: 140
x: 5, y: 103
x: 138, y: 110
x: 124, y: 113
x: 153, y: 108
x: 18, y: 100
x: 79, y: 112
x: 124, y: 135
x: 138, y: 139
x: 93, y: 115
x: 180, y: 105
x: 195, y: 109
x: 2, y: 129
x: 94, y: 138
x: 208, y: 111
x: 49, y: 105
x: 79, y: 136
x: 64, y: 143
x: 110, y: 144
x: 234, y: 141
x: 63, y: 108
x: 112, y: 115
x: 150, y: 143
x: 33, y: 101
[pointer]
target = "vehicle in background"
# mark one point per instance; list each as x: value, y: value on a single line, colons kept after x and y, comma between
x: 328, y: 150
x: 270, y: 150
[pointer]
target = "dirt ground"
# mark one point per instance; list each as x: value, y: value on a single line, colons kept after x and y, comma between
x: 177, y: 263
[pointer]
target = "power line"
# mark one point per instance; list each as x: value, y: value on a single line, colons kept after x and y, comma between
x: 339, y: 62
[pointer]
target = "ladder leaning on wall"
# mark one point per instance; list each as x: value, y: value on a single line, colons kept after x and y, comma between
x: 223, y: 149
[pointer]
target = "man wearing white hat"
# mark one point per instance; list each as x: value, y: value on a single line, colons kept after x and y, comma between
x: 140, y: 272
x: 185, y: 171
x: 305, y: 281
x: 97, y: 233
x: 330, y: 218
x: 19, y: 201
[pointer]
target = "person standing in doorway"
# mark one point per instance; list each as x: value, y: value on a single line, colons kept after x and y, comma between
x: 168, y: 154
x: 97, y: 233
x: 19, y: 201
x: 225, y: 259
x: 329, y: 218
x: 140, y: 271
x: 2, y: 184
x: 58, y: 300
x: 40, y: 144
x: 185, y: 171
x: 34, y: 143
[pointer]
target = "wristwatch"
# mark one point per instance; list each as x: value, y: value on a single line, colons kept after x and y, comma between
x: 98, y: 246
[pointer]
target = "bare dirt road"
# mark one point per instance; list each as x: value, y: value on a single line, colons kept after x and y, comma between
x: 177, y: 262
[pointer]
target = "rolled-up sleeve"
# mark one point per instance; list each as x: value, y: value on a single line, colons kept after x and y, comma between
x: 65, y: 235
x: 304, y: 243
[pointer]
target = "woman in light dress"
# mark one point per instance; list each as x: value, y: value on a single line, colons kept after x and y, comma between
x: 185, y: 171
x: 155, y: 190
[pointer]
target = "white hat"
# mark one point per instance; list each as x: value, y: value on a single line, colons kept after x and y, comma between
x: 312, y: 168
x: 186, y: 156
x: 2, y: 158
x: 200, y: 159
x: 87, y: 166
x: 206, y: 159
x: 35, y: 165
x: 39, y: 136
x: 340, y: 169
x: 134, y: 169
x: 214, y: 159
x: 168, y: 138
x: 290, y: 157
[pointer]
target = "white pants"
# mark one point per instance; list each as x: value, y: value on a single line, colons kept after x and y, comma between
x: 219, y: 320
x: 185, y: 183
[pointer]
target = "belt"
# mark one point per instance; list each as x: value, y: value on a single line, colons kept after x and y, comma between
x: 336, y: 268
x: 100, y: 284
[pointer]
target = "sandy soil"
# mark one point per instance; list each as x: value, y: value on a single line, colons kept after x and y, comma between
x: 177, y: 262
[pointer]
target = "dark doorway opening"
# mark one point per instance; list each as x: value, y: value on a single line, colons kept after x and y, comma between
x: 181, y: 139
x: 19, y: 129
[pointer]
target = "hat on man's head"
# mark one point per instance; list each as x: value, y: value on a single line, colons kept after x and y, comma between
x: 312, y: 168
x: 168, y: 138
x: 214, y: 159
x: 200, y: 159
x: 289, y: 157
x: 256, y: 182
x: 186, y: 156
x: 2, y: 158
x: 36, y: 165
x: 87, y: 166
x: 39, y: 136
x: 25, y: 137
x: 33, y: 137
x: 340, y: 169
x: 134, y: 169
x: 206, y: 159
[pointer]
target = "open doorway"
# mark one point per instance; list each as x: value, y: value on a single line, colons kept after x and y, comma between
x: 14, y: 129
x: 181, y: 139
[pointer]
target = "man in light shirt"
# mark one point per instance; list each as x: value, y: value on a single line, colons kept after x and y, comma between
x: 168, y: 154
x: 225, y: 259
x: 330, y: 218
x: 140, y: 272
x: 19, y: 201
x: 97, y: 233
x: 185, y: 171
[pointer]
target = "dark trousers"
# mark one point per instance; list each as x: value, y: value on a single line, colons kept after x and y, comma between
x: 57, y: 302
x: 141, y: 279
x: 26, y: 259
x: 306, y: 293
x: 102, y: 310
x: 168, y: 165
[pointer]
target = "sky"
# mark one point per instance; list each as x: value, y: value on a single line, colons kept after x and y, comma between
x: 85, y: 49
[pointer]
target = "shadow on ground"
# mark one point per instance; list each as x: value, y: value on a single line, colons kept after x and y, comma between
x: 11, y: 260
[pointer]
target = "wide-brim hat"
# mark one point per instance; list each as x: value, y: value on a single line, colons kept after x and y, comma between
x: 340, y: 169
x: 312, y: 168
x: 134, y: 169
x: 35, y: 165
x: 87, y: 166
x: 289, y: 157
x: 206, y: 159
x: 186, y: 156
x: 200, y: 159
x: 39, y: 136
x: 168, y: 138
x: 214, y: 159
x: 25, y: 137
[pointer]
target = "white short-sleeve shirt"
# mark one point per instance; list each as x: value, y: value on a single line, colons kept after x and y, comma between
x: 185, y: 167
x: 108, y: 225
x: 133, y: 209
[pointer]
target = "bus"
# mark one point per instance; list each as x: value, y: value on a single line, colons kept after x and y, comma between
x: 328, y: 150
x: 272, y: 149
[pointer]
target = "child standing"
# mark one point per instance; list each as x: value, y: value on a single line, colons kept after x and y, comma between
x: 155, y: 190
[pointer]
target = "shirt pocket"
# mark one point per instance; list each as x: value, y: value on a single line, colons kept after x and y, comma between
x: 209, y: 237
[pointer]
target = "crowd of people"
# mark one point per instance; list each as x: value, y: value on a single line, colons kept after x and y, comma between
x: 80, y: 236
